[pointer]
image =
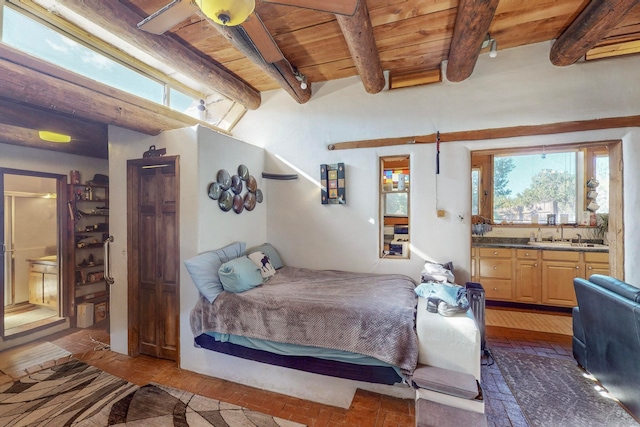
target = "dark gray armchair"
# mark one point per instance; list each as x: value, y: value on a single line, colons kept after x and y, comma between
x: 606, y: 335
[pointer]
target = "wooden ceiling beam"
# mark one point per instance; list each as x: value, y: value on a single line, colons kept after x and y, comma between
x: 472, y: 25
x: 118, y: 19
x: 358, y: 32
x: 87, y: 138
x: 496, y: 133
x: 28, y: 80
x: 592, y: 25
x: 281, y: 71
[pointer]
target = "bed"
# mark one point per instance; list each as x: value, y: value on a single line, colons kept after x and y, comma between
x: 357, y: 326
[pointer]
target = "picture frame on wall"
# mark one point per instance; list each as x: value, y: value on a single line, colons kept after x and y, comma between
x: 333, y: 184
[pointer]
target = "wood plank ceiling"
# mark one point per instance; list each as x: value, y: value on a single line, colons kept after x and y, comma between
x: 409, y: 37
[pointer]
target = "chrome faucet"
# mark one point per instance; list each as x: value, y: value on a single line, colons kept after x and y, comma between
x: 561, y: 232
x: 579, y: 238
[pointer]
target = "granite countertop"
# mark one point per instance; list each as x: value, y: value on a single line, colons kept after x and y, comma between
x: 523, y: 243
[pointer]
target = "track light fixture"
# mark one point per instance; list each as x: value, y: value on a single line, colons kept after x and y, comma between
x: 490, y: 41
x: 301, y: 78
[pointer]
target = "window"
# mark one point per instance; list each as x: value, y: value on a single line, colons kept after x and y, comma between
x: 524, y: 186
x: 534, y: 186
x: 31, y: 37
x: 21, y: 30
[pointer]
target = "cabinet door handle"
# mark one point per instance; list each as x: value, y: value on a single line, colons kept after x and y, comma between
x: 590, y: 268
x: 535, y: 265
x: 495, y: 267
x: 577, y: 267
x: 526, y: 254
x: 495, y: 252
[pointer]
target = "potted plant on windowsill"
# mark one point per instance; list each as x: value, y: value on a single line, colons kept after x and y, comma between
x: 601, y: 230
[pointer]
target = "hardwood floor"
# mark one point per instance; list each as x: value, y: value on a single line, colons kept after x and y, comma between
x: 367, y: 409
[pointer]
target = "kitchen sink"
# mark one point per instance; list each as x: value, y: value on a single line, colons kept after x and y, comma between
x: 564, y: 244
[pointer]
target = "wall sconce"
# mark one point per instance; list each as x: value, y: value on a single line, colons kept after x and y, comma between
x: 490, y: 41
x: 301, y: 78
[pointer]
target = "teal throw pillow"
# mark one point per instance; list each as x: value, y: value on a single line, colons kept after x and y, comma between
x: 239, y: 275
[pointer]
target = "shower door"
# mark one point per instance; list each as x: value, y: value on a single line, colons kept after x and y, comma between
x: 31, y: 242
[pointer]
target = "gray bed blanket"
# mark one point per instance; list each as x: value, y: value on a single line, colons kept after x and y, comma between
x: 370, y: 314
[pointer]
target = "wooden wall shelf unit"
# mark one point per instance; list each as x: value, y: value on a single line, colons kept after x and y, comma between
x: 89, y: 227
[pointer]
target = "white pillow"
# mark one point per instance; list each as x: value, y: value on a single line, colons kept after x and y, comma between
x: 264, y: 264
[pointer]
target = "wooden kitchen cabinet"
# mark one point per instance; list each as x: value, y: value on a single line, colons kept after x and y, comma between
x: 534, y: 276
x: 527, y: 276
x: 495, y: 272
x: 43, y: 281
x: 559, y: 268
x: 596, y: 263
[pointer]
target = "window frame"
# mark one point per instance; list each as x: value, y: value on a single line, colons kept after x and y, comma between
x: 34, y: 11
x: 484, y: 160
x: 393, y: 162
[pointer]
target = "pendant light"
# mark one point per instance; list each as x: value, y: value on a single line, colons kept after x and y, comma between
x: 227, y: 12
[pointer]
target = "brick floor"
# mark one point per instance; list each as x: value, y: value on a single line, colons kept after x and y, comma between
x: 368, y: 409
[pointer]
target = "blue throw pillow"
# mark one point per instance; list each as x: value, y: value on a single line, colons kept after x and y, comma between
x: 204, y: 267
x: 271, y: 252
x: 239, y: 275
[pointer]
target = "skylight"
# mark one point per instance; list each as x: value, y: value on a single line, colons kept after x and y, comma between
x: 27, y: 33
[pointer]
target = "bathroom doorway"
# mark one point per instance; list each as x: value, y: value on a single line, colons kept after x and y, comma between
x: 31, y: 235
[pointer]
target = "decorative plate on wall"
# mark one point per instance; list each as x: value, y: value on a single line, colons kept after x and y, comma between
x: 249, y: 201
x: 225, y: 201
x: 224, y: 179
x: 252, y: 185
x: 214, y: 191
x: 243, y: 171
x: 236, y: 184
x: 230, y: 192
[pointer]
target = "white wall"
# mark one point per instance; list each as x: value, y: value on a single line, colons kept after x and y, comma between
x: 203, y: 226
x: 519, y: 87
x: 127, y: 145
x: 31, y: 159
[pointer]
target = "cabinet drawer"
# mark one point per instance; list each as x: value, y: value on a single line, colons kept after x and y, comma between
x: 561, y: 256
x: 527, y: 253
x: 495, y: 252
x: 596, y: 268
x: 495, y: 268
x: 497, y: 289
x: 602, y: 257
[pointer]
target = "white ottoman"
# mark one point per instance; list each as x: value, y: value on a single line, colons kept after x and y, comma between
x: 448, y: 342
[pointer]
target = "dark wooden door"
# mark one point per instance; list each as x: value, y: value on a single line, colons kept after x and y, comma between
x: 156, y: 252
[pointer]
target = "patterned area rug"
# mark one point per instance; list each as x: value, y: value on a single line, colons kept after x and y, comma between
x: 79, y: 395
x: 554, y: 392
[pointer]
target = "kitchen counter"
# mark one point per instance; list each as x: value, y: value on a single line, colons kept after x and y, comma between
x: 518, y: 243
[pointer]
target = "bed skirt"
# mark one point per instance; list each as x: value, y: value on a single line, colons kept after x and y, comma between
x: 371, y: 374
